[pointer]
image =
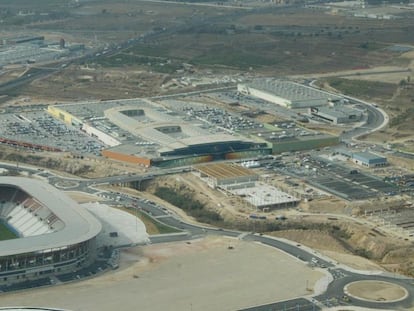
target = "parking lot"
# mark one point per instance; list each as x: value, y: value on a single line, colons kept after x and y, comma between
x: 38, y: 127
x: 349, y: 183
x: 333, y: 177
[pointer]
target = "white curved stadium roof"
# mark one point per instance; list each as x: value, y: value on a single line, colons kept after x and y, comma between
x: 79, y: 226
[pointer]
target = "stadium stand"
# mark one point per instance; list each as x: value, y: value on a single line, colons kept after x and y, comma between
x: 55, y: 234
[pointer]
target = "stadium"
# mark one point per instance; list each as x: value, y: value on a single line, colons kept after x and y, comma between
x: 42, y: 232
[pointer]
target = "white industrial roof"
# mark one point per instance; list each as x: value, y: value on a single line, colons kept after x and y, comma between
x: 292, y: 91
x: 192, y: 135
x: 79, y: 224
x: 262, y: 195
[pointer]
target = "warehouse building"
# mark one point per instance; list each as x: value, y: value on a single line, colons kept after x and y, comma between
x: 336, y: 115
x: 287, y: 94
x: 368, y: 159
x: 295, y: 138
x: 224, y: 175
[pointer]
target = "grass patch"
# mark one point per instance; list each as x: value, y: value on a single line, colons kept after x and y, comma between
x: 6, y: 233
x: 153, y: 226
x: 402, y: 118
x: 160, y: 228
x: 361, y: 88
x: 191, y: 206
x: 234, y: 57
x: 151, y: 50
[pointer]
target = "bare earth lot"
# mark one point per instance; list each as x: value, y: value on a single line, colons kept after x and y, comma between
x: 202, y: 275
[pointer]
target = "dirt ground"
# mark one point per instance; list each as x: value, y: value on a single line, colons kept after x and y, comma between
x: 358, y: 236
x: 180, y: 276
x: 64, y: 164
x: 328, y: 246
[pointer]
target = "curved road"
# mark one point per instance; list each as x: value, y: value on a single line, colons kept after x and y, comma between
x: 333, y: 295
x: 376, y: 119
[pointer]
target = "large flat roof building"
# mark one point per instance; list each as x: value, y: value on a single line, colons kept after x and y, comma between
x: 287, y: 94
x: 224, y: 175
x: 146, y: 133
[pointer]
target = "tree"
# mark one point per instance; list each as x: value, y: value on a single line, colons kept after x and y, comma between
x: 402, y: 83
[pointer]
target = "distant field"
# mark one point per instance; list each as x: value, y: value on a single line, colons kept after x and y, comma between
x: 6, y: 233
x: 360, y: 88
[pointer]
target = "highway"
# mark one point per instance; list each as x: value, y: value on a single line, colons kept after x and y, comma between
x: 26, y: 78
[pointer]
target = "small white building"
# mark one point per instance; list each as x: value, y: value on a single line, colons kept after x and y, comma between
x: 336, y: 115
x: 368, y: 159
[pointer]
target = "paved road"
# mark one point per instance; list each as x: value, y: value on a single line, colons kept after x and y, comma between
x: 335, y: 290
x: 331, y: 297
x: 376, y: 119
x: 299, y: 304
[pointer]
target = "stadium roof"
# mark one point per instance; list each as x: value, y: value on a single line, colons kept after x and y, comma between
x: 80, y: 225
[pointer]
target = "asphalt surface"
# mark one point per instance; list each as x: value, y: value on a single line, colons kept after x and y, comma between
x: 375, y: 119
x: 333, y: 296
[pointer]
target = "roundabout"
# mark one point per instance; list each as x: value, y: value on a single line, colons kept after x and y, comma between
x: 66, y: 184
x: 376, y: 291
